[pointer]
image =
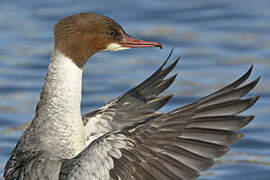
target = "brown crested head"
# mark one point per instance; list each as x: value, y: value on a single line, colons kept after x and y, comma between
x: 81, y: 35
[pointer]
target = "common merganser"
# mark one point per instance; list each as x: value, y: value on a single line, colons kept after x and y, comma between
x: 125, y: 139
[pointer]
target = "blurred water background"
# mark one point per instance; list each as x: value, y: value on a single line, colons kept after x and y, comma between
x: 218, y: 40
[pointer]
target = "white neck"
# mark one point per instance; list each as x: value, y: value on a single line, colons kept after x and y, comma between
x: 58, y: 120
x: 63, y: 85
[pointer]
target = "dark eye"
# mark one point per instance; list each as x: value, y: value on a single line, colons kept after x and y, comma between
x: 111, y: 32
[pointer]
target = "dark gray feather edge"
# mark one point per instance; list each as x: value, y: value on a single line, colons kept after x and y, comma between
x: 156, y: 80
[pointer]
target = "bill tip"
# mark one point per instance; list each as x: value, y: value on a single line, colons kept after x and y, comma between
x: 159, y: 45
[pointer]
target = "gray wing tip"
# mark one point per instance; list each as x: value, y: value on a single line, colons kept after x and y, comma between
x: 248, y: 119
x: 171, y: 66
x: 254, y: 99
x: 247, y: 74
x: 250, y: 68
x: 239, y: 136
x: 167, y: 59
x: 170, y: 54
x: 255, y: 82
x: 174, y: 76
x: 252, y: 84
x: 250, y: 102
x: 235, y: 137
x: 161, y: 99
x: 169, y: 96
x: 243, y: 78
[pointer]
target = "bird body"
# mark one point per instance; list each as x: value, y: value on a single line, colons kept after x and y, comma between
x: 127, y: 138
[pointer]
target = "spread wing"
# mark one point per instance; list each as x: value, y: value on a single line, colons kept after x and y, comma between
x: 177, y: 145
x: 137, y: 104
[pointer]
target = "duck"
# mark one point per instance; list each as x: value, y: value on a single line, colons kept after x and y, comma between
x: 127, y: 138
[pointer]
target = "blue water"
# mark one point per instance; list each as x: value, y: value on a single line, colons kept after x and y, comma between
x: 217, y: 40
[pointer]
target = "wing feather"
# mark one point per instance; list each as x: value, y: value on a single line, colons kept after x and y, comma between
x: 176, y: 145
x: 135, y: 105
